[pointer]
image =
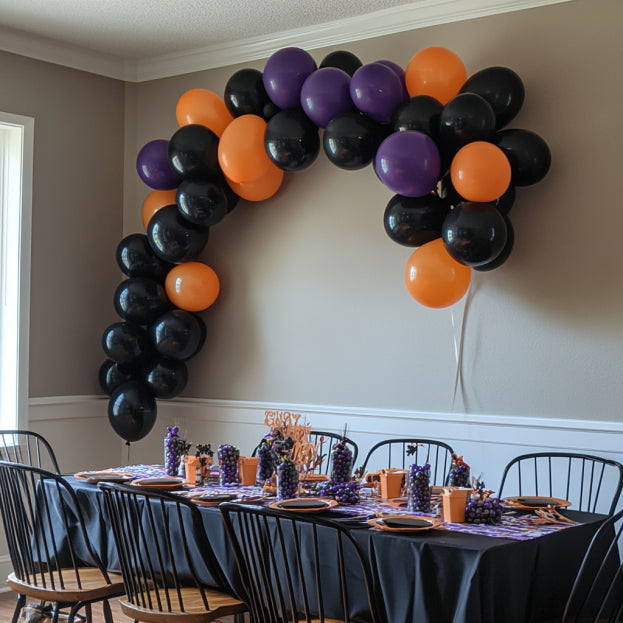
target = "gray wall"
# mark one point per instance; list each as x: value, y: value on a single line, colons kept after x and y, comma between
x: 76, y: 216
x: 313, y: 309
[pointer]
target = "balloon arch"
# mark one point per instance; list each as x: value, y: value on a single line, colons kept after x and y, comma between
x: 434, y: 137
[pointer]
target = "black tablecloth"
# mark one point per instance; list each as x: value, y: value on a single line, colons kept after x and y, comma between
x: 437, y: 576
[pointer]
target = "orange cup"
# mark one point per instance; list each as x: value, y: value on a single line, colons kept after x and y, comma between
x: 247, y: 470
x: 192, y: 469
x: 454, y: 501
x: 391, y: 481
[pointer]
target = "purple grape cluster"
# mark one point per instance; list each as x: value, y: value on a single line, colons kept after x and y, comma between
x: 287, y: 479
x: 342, y: 492
x: 418, y: 488
x: 266, y: 462
x: 174, y: 447
x: 459, y: 476
x: 341, y: 463
x: 228, y: 457
x: 483, y: 510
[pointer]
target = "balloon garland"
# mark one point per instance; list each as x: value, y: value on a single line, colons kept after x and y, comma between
x: 434, y: 137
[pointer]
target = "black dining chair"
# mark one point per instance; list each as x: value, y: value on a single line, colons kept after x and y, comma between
x: 299, y: 567
x: 590, y: 483
x: 393, y: 453
x: 327, y: 440
x: 597, y: 593
x: 36, y: 531
x: 28, y: 448
x: 161, y: 540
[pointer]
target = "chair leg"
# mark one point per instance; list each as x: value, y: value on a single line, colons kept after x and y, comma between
x: 21, y: 602
x: 239, y: 618
x: 107, y: 612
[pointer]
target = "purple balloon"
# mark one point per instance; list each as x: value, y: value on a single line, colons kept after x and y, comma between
x: 408, y: 163
x: 376, y: 91
x: 153, y: 167
x: 325, y: 93
x: 284, y: 74
x: 400, y: 72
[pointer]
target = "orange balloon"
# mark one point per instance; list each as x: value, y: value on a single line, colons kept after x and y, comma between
x: 434, y: 278
x: 480, y: 172
x: 260, y: 189
x: 436, y: 72
x: 192, y: 286
x: 203, y: 107
x: 241, y: 151
x: 155, y: 200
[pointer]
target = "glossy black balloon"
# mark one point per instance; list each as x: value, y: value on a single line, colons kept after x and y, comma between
x: 193, y: 152
x: 202, y: 202
x: 291, y: 140
x: 502, y: 88
x: 474, y: 233
x: 414, y: 221
x: 245, y: 93
x: 447, y: 192
x: 467, y: 117
x: 125, y: 342
x: 346, y: 61
x: 173, y: 238
x: 132, y: 411
x: 136, y: 258
x: 140, y: 300
x: 421, y: 113
x: 506, y: 201
x: 528, y: 154
x: 178, y: 334
x: 112, y: 374
x: 506, y: 251
x: 351, y: 139
x: 166, y: 378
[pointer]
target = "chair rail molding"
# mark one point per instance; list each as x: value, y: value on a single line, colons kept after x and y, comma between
x: 402, y: 18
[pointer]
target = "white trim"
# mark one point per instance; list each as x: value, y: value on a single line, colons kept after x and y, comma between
x: 398, y: 19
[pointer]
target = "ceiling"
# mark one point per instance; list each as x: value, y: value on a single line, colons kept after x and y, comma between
x: 145, y: 39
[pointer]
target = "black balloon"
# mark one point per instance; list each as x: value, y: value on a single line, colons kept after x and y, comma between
x: 474, y: 233
x: 465, y: 118
x: 136, y: 258
x: 132, y: 411
x: 421, y: 113
x: 291, y: 140
x: 173, y: 238
x: 125, y: 342
x: 202, y: 202
x: 506, y: 251
x: 506, y: 201
x: 528, y: 154
x: 140, y: 300
x: 502, y: 88
x: 193, y: 152
x: 245, y: 93
x: 447, y: 192
x: 178, y: 334
x: 346, y: 61
x: 166, y: 378
x: 112, y: 374
x: 351, y: 139
x: 413, y: 221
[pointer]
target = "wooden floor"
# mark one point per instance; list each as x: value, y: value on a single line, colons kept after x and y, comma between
x: 8, y: 600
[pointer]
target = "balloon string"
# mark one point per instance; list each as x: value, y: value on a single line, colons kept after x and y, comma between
x: 127, y: 443
x: 459, y: 339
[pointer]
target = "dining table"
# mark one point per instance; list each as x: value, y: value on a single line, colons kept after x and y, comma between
x: 520, y: 571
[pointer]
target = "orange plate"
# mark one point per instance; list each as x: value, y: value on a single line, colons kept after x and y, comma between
x: 297, y: 505
x: 515, y: 502
x: 159, y: 483
x: 103, y: 476
x: 378, y: 522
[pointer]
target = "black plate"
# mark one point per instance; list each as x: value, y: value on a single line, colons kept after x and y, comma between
x: 538, y: 501
x: 404, y: 522
x: 304, y: 504
x: 215, y: 497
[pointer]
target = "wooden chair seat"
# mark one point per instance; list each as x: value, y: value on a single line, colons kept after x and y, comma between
x: 63, y: 586
x: 221, y: 605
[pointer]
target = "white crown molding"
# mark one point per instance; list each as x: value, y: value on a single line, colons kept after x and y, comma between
x: 399, y: 19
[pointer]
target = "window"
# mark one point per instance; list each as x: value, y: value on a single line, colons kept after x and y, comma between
x: 16, y: 150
